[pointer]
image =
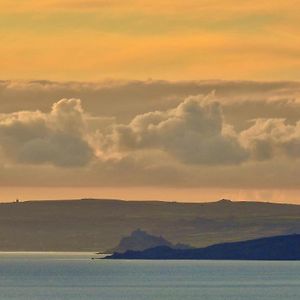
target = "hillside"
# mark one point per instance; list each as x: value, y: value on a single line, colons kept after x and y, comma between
x: 285, y: 247
x: 97, y: 225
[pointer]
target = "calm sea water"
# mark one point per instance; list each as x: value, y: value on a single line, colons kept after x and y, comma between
x: 73, y: 276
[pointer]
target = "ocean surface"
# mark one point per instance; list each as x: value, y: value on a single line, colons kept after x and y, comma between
x: 64, y: 276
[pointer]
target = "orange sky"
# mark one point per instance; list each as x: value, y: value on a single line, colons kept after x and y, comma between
x: 96, y: 39
x: 10, y: 194
x: 105, y: 58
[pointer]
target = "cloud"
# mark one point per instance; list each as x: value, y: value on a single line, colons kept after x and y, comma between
x: 194, y: 133
x: 269, y: 138
x: 123, y: 100
x: 243, y: 132
x: 56, y: 138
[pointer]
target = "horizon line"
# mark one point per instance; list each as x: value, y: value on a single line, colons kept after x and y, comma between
x: 223, y: 200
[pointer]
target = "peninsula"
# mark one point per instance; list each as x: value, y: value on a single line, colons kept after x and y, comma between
x: 286, y: 247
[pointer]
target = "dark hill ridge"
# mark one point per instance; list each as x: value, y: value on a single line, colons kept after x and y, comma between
x: 97, y: 225
x: 285, y: 247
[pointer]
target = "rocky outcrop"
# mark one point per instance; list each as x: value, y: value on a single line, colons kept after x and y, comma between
x: 140, y: 240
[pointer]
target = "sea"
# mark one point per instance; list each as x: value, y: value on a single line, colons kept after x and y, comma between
x: 75, y: 276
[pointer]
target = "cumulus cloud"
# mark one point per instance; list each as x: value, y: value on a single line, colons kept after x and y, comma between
x: 57, y: 138
x: 194, y: 133
x: 268, y: 138
x: 186, y: 141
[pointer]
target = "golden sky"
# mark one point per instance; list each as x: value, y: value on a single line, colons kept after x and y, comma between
x: 178, y: 100
x: 183, y: 140
x: 193, y: 39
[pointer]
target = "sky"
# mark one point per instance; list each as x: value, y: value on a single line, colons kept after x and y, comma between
x: 172, y: 100
x: 141, y: 39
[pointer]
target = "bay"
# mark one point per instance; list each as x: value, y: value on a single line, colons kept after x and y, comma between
x: 64, y: 276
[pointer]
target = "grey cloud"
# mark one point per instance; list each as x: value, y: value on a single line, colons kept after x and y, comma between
x: 56, y: 138
x: 241, y: 100
x: 194, y: 133
x: 58, y: 148
x: 268, y: 138
x: 163, y: 138
x: 135, y: 170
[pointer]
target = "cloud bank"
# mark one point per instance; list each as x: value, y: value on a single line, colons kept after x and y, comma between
x: 184, y: 139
